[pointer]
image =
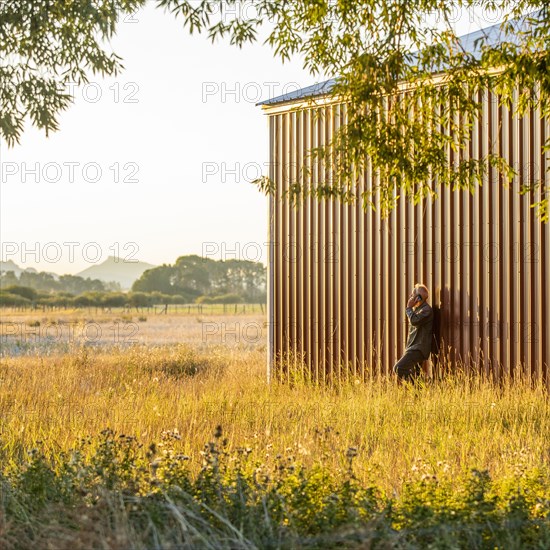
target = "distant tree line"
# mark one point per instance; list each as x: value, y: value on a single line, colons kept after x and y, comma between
x: 206, y: 280
x: 191, y: 279
x: 47, y: 282
x: 23, y: 297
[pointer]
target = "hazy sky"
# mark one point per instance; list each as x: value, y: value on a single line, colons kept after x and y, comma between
x: 152, y: 164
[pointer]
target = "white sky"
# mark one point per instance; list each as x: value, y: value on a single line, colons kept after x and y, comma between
x: 175, y: 125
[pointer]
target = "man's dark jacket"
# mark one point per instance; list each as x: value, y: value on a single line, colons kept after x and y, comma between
x: 420, y: 329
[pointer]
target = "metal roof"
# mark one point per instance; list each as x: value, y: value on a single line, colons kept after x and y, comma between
x: 470, y: 42
x: 320, y: 88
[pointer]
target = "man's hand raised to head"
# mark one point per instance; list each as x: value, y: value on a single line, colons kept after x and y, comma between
x: 412, y: 300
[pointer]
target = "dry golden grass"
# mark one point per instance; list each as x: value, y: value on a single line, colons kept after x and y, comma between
x: 53, y: 400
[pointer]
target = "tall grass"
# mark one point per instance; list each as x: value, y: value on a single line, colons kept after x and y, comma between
x: 52, y: 401
x: 112, y: 492
x: 164, y: 445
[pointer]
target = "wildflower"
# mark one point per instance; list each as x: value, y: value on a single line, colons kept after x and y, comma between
x: 351, y: 452
x: 302, y: 450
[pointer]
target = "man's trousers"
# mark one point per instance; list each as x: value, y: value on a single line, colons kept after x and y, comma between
x: 409, y: 367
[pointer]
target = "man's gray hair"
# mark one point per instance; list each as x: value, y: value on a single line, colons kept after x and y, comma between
x: 423, y: 290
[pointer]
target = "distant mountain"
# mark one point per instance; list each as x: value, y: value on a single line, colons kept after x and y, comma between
x: 120, y: 271
x: 10, y: 265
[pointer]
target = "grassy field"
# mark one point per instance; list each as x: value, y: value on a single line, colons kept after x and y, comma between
x: 44, y: 333
x: 177, y: 441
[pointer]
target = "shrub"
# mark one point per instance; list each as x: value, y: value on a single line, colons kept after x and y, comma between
x: 222, y: 299
x: 147, y: 497
x: 178, y: 361
x: 13, y: 300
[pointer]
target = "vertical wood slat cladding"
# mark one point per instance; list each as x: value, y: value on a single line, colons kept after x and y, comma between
x: 339, y: 276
